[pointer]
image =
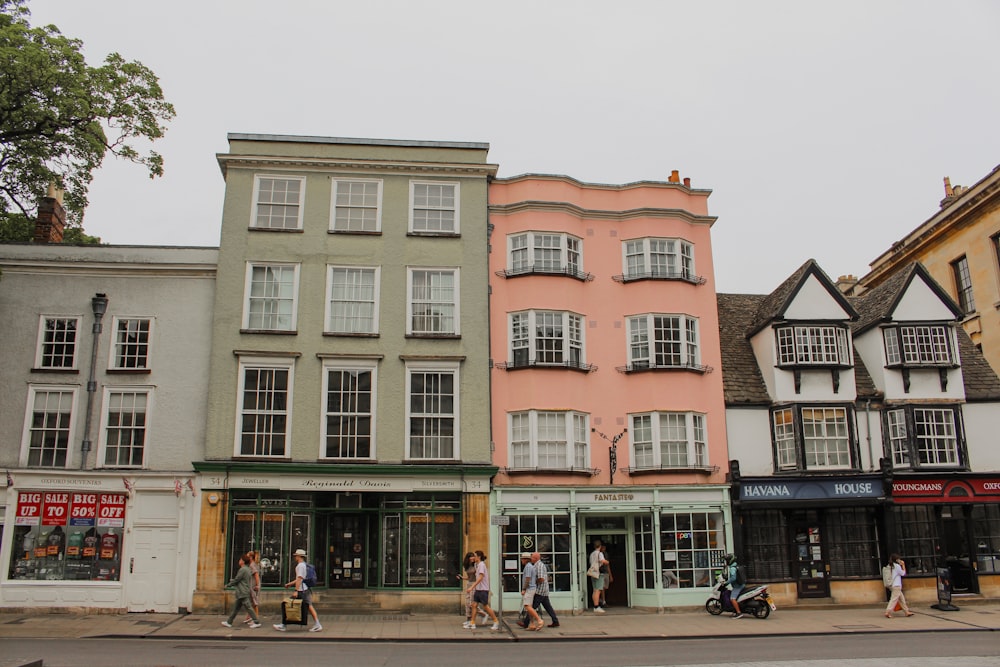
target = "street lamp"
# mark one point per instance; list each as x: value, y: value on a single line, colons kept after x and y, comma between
x: 99, y: 304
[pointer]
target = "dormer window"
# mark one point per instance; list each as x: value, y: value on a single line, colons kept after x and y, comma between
x: 918, y: 345
x: 813, y: 345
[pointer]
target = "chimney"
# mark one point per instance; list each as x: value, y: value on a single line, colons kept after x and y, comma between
x: 948, y: 192
x: 675, y: 177
x: 846, y: 284
x: 51, y: 219
x: 687, y: 182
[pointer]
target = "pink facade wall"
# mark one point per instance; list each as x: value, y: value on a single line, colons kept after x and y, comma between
x: 597, y: 215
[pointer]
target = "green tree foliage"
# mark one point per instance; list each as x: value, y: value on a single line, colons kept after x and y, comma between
x: 59, y: 117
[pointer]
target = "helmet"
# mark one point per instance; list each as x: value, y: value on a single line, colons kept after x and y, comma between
x: 730, y: 559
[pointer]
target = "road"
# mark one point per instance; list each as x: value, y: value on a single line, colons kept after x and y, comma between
x: 951, y: 649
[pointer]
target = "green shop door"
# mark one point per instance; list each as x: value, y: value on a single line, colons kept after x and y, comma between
x: 347, y: 551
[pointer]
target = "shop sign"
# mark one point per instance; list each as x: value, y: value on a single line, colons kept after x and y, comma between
x: 953, y: 489
x: 56, y: 509
x: 810, y: 489
x: 29, y: 509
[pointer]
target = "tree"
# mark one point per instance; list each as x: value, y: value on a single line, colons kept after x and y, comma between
x: 59, y: 117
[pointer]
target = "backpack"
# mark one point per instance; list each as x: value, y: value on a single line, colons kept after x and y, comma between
x: 887, y: 576
x: 310, y: 578
x: 741, y: 576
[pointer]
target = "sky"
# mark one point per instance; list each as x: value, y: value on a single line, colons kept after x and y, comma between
x: 824, y: 130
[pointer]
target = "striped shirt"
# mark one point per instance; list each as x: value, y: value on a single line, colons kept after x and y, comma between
x: 542, y: 572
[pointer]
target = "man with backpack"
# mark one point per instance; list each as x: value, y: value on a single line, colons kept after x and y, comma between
x: 736, y: 578
x: 305, y: 577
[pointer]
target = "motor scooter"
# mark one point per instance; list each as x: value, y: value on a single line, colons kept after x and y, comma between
x: 753, y: 600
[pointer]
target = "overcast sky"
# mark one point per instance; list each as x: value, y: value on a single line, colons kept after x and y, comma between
x: 823, y: 129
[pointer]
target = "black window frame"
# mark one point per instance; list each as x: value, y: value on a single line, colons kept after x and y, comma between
x: 908, y: 411
x: 800, y: 465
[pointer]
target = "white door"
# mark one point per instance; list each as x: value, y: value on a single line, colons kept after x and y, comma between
x: 152, y: 570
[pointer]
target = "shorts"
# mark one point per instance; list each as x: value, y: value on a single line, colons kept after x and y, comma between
x: 306, y: 596
x: 528, y: 599
x: 481, y: 597
x: 737, y: 589
x: 600, y: 582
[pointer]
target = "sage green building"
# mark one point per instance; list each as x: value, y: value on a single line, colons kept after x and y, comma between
x: 348, y: 405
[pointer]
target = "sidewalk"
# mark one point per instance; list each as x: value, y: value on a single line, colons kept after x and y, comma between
x: 615, y: 624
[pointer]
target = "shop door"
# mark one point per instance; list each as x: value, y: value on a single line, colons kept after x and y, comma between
x: 151, y: 570
x: 347, y: 551
x: 956, y: 549
x: 616, y: 594
x: 809, y: 555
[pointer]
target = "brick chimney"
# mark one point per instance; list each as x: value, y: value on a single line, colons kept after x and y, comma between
x: 846, y: 284
x: 51, y: 219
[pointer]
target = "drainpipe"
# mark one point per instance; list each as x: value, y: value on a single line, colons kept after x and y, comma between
x: 99, y: 304
x: 868, y: 434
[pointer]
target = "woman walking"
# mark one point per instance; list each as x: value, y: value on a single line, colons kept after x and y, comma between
x: 898, y: 572
x: 252, y: 559
x: 469, y: 568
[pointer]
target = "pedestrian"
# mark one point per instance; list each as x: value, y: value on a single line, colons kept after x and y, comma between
x: 542, y: 592
x: 469, y: 574
x: 241, y: 584
x: 302, y: 591
x: 529, y: 584
x: 898, y: 572
x: 480, y: 589
x: 599, y: 562
x: 251, y: 559
x: 736, y: 586
x: 610, y: 579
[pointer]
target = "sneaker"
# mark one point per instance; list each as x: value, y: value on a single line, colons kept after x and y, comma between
x: 598, y: 610
x: 554, y: 625
x: 469, y: 626
x: 255, y: 625
x: 280, y: 627
x: 494, y: 627
x: 227, y: 624
x: 316, y: 628
x: 483, y: 617
x: 737, y: 615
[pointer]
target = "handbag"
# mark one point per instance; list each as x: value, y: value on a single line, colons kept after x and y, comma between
x: 594, y: 571
x: 292, y: 610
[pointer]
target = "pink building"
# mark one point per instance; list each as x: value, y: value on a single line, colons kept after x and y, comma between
x: 607, y: 406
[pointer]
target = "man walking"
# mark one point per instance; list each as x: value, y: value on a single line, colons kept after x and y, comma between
x: 599, y: 562
x: 542, y: 592
x: 301, y: 591
x: 529, y: 584
x: 241, y: 582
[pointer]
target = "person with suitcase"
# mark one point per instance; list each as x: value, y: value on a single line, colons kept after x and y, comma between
x: 302, y: 583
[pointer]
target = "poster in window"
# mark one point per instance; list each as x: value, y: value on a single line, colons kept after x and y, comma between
x: 111, y: 511
x: 56, y: 509
x: 29, y: 509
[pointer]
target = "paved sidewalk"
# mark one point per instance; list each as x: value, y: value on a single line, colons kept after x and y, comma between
x: 615, y: 624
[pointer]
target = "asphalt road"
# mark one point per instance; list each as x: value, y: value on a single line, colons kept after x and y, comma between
x: 953, y: 649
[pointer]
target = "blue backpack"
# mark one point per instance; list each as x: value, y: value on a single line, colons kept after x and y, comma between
x: 310, y: 578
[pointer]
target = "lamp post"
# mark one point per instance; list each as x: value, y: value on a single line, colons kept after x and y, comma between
x: 99, y: 304
x: 612, y: 450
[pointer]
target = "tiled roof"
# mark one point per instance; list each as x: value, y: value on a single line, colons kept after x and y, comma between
x: 981, y: 381
x: 741, y: 379
x: 877, y: 304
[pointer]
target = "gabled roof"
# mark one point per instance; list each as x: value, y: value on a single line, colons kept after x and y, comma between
x: 742, y: 383
x: 773, y: 306
x: 981, y: 381
x: 878, y: 304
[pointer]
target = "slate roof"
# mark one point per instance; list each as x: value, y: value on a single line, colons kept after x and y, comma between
x: 877, y: 304
x: 772, y: 306
x: 981, y: 381
x: 742, y: 383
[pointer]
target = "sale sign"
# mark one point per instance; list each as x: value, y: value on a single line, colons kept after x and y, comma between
x: 29, y: 509
x: 111, y: 510
x: 83, y: 510
x: 56, y: 509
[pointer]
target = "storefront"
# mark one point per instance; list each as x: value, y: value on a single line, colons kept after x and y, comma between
x: 665, y: 544
x: 95, y: 540
x: 950, y: 521
x: 395, y: 533
x: 818, y: 535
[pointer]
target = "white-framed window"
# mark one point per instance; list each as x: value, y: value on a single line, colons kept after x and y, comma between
x: 551, y: 440
x: 432, y: 307
x: 357, y: 205
x: 264, y: 410
x: 820, y: 345
x: 271, y: 303
x: 57, y: 342
x: 434, y: 207
x: 918, y: 345
x: 123, y: 427
x: 924, y: 436
x: 131, y: 347
x: 48, y: 425
x: 278, y: 202
x: 658, y: 258
x: 432, y: 410
x: 668, y: 440
x: 546, y: 338
x: 663, y: 341
x: 352, y: 299
x: 544, y: 252
x: 348, y: 428
x: 810, y: 437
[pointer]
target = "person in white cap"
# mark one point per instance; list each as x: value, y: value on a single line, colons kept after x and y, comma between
x: 529, y: 583
x: 302, y: 591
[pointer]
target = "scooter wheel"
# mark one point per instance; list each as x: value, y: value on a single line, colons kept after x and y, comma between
x: 762, y: 611
x: 713, y: 607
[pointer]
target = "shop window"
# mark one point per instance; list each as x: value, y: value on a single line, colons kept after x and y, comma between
x: 273, y: 535
x: 986, y: 535
x: 421, y: 543
x: 852, y: 542
x: 767, y: 540
x: 693, y: 546
x: 67, y: 536
x: 645, y: 555
x: 549, y: 535
x: 917, y: 537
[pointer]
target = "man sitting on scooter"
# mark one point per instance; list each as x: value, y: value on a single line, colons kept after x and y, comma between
x: 736, y: 587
